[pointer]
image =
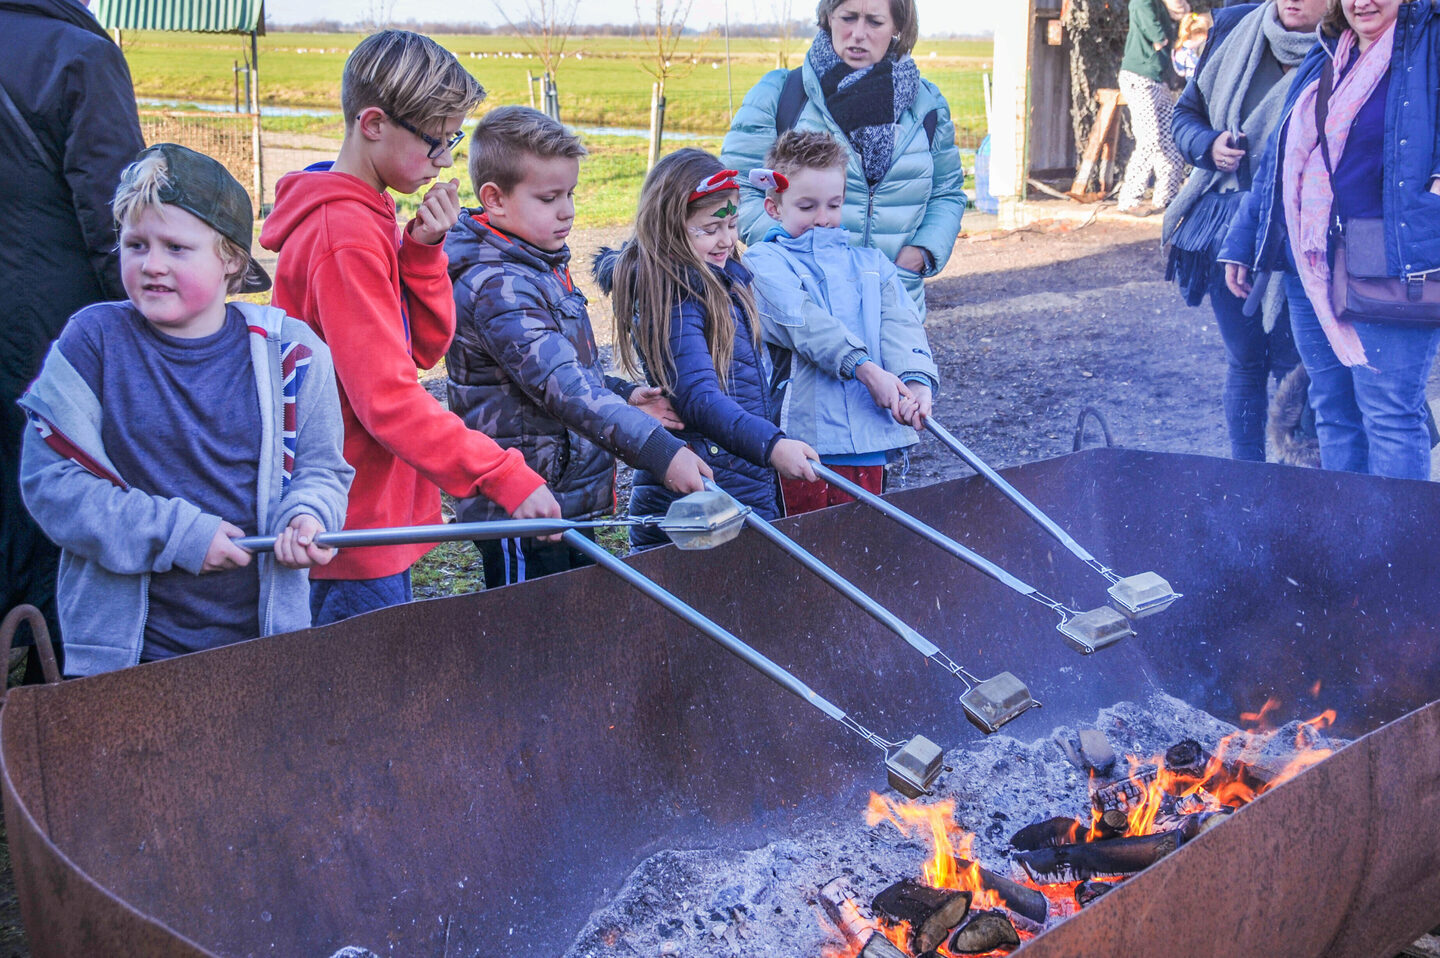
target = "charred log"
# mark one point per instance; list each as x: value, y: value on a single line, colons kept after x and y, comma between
x: 1047, y: 834
x: 1104, y: 859
x: 930, y: 912
x: 1187, y: 758
x: 1112, y: 824
x: 1021, y: 899
x: 985, y: 931
x: 1089, y: 890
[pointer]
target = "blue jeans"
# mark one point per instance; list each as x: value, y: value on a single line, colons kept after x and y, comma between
x: 334, y: 599
x: 1369, y: 418
x: 1252, y: 356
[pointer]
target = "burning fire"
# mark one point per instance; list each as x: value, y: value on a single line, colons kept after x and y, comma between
x: 1153, y: 796
x: 949, y: 841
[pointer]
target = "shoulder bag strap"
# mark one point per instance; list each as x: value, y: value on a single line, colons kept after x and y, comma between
x: 11, y: 112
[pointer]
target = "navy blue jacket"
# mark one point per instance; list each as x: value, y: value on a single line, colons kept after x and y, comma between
x: 731, y: 428
x: 1412, y: 157
x: 1191, y: 124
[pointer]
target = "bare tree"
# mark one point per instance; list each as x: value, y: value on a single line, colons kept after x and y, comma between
x: 378, y: 15
x: 785, y: 24
x: 661, y: 36
x: 545, y: 29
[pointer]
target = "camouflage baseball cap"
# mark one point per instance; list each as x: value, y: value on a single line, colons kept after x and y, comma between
x: 200, y: 185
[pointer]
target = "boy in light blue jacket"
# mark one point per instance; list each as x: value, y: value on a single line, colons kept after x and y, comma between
x: 855, y: 375
x: 166, y: 425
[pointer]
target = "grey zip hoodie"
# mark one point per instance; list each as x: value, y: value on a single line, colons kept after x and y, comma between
x: 113, y: 536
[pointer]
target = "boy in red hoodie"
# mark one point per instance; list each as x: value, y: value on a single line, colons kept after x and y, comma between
x: 380, y: 297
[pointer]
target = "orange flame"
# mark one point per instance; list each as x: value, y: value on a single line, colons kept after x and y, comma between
x: 948, y: 841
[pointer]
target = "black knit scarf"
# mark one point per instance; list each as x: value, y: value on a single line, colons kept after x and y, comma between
x: 866, y: 103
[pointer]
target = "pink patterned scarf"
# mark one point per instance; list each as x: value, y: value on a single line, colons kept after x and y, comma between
x: 1308, y: 195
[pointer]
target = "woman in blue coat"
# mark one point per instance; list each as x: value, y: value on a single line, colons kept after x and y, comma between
x: 1367, y: 377
x: 1222, y: 123
x: 859, y: 83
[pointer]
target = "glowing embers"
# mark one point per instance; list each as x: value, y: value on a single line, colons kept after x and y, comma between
x: 1139, y: 812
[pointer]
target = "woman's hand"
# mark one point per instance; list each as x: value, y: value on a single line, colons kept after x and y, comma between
x: 911, y: 258
x: 791, y: 458
x: 1225, y: 153
x: 1237, y: 279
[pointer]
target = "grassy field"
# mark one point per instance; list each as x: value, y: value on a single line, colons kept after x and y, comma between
x: 601, y: 84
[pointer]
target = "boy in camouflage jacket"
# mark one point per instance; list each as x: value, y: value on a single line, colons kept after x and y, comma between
x: 524, y: 368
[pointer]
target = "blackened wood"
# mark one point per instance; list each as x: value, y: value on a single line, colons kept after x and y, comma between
x: 1187, y: 757
x: 1113, y: 858
x: 1021, y: 899
x: 930, y: 912
x: 1089, y: 890
x: 985, y: 931
x: 1051, y: 832
x: 1096, y: 751
x: 1113, y: 824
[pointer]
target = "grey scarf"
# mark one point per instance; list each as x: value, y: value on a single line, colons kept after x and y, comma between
x: 1225, y: 80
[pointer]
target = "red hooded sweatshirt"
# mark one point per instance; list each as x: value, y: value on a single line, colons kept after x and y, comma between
x: 384, y: 305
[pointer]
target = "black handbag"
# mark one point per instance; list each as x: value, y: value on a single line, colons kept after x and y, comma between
x: 1361, y: 288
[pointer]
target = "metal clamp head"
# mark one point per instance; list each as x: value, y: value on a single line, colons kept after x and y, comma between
x: 1142, y: 594
x: 912, y: 766
x: 1089, y: 631
x: 703, y: 520
x: 995, y: 701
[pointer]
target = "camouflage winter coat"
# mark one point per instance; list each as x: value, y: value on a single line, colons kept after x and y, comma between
x: 524, y: 369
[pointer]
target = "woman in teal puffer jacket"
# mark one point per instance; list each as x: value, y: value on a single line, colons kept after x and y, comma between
x: 859, y: 83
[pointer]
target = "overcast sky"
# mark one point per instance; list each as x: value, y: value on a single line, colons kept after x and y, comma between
x: 939, y: 16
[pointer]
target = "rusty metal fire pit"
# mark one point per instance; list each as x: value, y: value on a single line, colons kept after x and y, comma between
x: 475, y: 775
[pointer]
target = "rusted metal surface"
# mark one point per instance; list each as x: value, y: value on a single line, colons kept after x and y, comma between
x: 39, y: 634
x: 422, y: 780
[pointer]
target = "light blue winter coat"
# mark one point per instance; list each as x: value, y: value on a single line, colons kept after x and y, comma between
x: 918, y: 203
x: 113, y: 536
x: 832, y: 305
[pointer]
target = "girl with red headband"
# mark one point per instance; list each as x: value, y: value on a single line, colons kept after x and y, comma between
x: 685, y: 319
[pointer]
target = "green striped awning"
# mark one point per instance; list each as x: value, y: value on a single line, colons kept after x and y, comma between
x: 199, y: 16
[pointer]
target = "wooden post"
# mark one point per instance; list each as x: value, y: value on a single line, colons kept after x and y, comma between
x: 530, y: 86
x: 1010, y: 92
x: 255, y: 123
x: 657, y: 124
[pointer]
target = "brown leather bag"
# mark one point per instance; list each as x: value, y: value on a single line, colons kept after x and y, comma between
x: 1361, y: 287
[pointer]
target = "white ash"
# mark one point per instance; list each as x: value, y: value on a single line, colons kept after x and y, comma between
x: 703, y: 903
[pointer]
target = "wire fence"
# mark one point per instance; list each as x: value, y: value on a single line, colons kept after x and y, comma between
x: 228, y: 137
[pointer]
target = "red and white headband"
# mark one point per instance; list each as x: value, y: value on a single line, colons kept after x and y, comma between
x: 716, y: 183
x: 768, y: 180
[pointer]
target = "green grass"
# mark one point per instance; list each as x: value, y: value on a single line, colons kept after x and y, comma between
x: 603, y: 86
x: 610, y: 179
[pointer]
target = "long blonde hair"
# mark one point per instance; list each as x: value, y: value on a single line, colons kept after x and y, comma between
x: 658, y: 269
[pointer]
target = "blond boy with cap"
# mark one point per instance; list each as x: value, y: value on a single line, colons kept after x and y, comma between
x: 166, y: 425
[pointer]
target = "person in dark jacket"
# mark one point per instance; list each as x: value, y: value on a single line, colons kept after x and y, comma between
x: 1222, y: 123
x: 685, y: 317
x: 1367, y: 378
x: 524, y: 368
x: 1142, y: 83
x: 69, y: 125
